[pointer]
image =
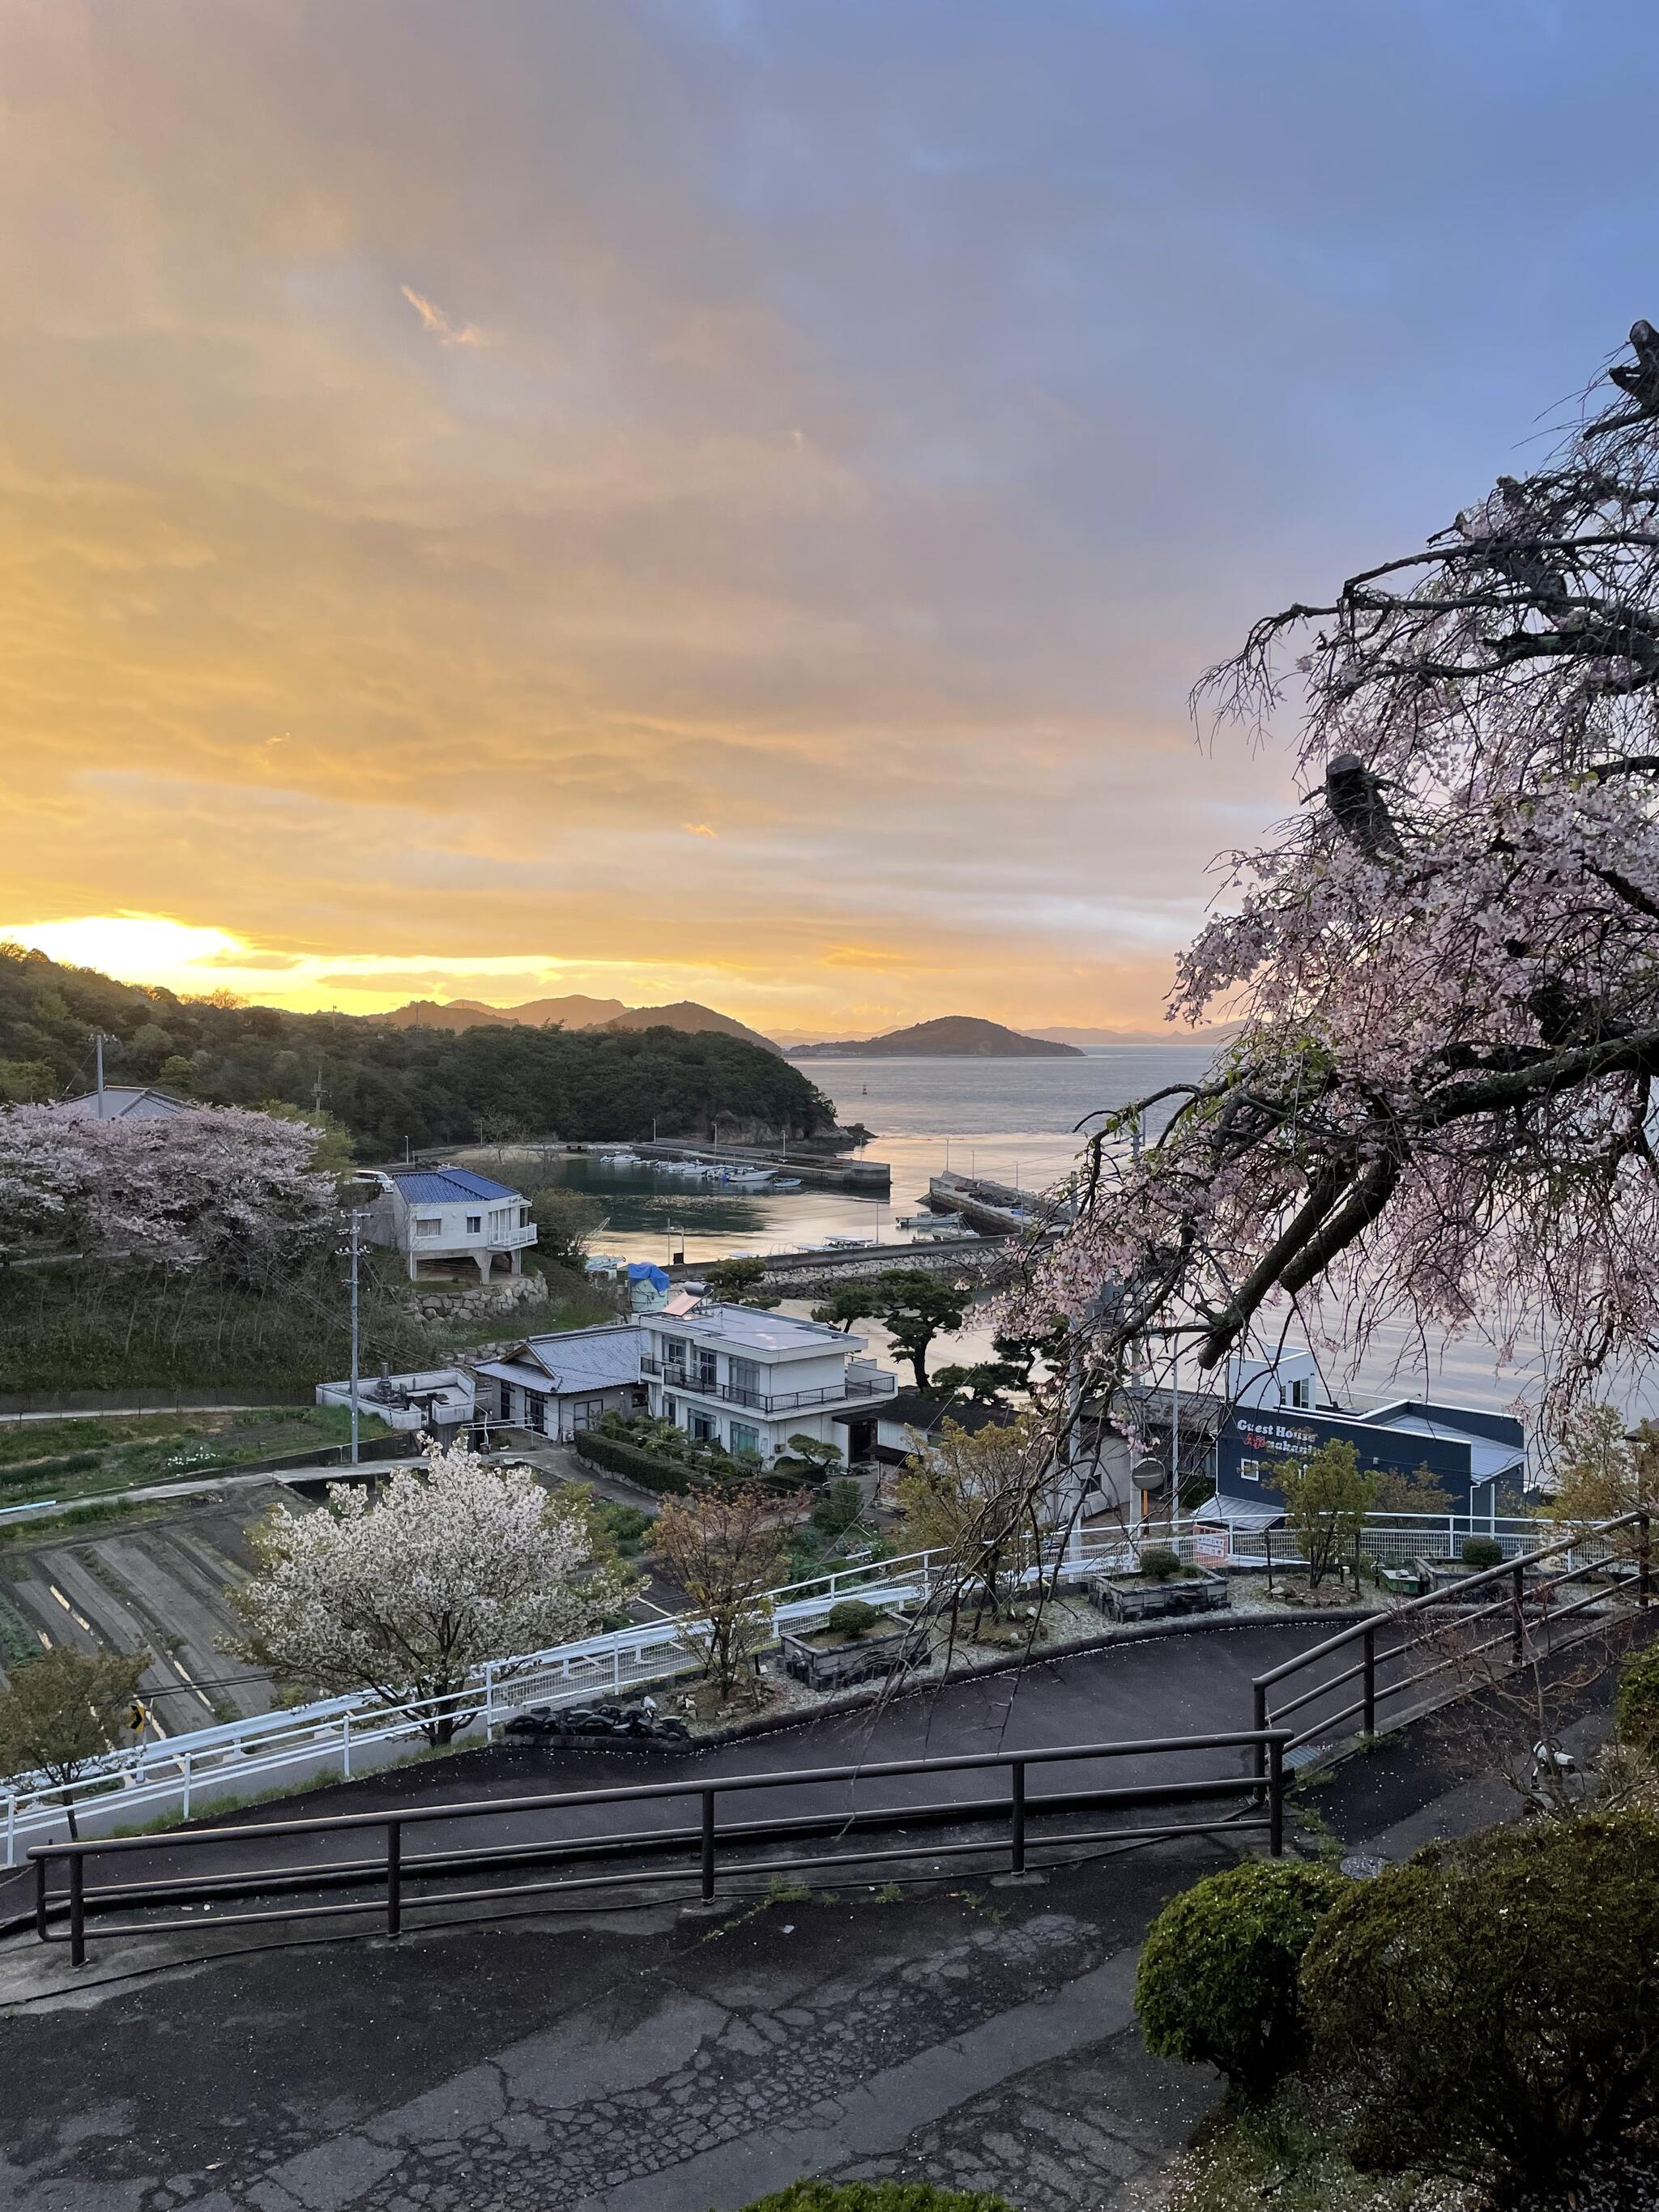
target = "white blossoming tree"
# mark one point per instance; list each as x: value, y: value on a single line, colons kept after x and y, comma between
x: 457, y: 1564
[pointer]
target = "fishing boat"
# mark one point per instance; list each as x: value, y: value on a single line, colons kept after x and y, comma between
x: 785, y: 1183
x: 745, y: 1178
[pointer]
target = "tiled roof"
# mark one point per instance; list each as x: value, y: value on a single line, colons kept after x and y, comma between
x: 447, y: 1186
x: 574, y: 1359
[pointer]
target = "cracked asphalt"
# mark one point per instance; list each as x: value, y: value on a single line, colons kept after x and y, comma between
x: 626, y: 2063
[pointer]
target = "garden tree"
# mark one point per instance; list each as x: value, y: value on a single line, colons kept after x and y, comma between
x: 1218, y: 1979
x: 847, y: 1304
x: 1636, y: 1703
x: 227, y: 1191
x: 915, y: 1307
x: 456, y: 1564
x: 741, y: 1283
x: 838, y: 1505
x: 809, y: 1459
x: 63, y: 1711
x: 985, y: 1384
x: 1603, y: 1470
x: 565, y: 1221
x: 1488, y: 2008
x: 978, y: 1498
x: 727, y: 1550
x: 1446, y: 961
x: 1416, y: 1492
x: 331, y: 1151
x: 1326, y: 1501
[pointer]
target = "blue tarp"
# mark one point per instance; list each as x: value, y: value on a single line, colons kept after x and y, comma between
x: 643, y: 1271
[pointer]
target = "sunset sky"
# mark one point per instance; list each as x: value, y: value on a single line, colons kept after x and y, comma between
x: 725, y: 499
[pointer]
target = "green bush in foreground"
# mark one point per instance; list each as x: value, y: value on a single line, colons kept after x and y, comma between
x: 1479, y: 1553
x: 876, y: 2196
x: 1159, y: 1563
x: 1490, y: 2008
x: 852, y: 1618
x: 1635, y: 1707
x: 1218, y: 1975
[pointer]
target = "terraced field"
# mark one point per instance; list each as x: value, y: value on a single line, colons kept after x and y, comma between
x: 152, y: 1583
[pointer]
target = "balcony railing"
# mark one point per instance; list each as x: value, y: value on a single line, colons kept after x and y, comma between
x: 759, y: 1401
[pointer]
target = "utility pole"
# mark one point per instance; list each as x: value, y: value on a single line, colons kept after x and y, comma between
x: 356, y: 1241
x: 98, y: 1042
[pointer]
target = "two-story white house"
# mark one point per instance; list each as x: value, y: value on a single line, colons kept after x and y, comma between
x: 450, y: 1224
x: 749, y: 1381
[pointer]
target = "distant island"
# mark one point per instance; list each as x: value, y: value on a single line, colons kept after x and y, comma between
x: 685, y: 1015
x: 953, y: 1036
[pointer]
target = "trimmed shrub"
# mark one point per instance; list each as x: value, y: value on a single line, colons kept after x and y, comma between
x: 1635, y: 1707
x: 1218, y: 1975
x: 619, y: 1457
x: 1159, y: 1563
x: 852, y: 1618
x: 1479, y: 1553
x: 876, y: 2196
x: 1489, y: 2008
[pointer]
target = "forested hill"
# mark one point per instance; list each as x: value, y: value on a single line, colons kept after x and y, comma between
x: 389, y: 1085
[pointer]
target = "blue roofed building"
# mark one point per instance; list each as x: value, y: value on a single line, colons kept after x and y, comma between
x: 450, y: 1224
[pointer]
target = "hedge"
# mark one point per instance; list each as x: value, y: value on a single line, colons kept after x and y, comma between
x: 1218, y: 1980
x: 611, y: 1452
x: 1489, y: 2007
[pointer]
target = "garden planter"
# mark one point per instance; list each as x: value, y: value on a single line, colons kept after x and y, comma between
x: 1137, y: 1597
x: 826, y: 1661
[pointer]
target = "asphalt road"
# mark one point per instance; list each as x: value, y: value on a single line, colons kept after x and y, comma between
x: 1170, y: 1685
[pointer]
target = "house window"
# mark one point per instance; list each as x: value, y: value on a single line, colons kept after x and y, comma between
x: 1300, y: 1393
x: 703, y: 1429
x: 745, y: 1381
x: 587, y: 1415
x: 535, y: 1412
x: 524, y: 1217
x: 673, y: 1351
x: 506, y: 1401
x: 745, y: 1439
x: 474, y: 1224
x: 429, y: 1225
x: 707, y: 1370
x: 670, y: 1411
x: 1249, y: 1470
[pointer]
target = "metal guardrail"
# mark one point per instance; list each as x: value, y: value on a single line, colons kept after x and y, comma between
x: 338, y: 1736
x: 392, y: 1872
x: 1588, y: 1553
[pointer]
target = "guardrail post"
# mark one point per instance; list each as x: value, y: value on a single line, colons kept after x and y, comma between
x: 1644, y: 1564
x: 394, y: 1877
x: 1276, y: 1797
x: 11, y: 1827
x: 1258, y: 1722
x: 41, y: 1898
x: 345, y: 1747
x: 1369, y: 1716
x: 1517, y: 1623
x: 78, y: 1910
x: 187, y: 1775
x: 709, y: 1847
x: 1017, y: 1817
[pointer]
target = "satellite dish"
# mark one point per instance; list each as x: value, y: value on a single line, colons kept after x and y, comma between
x: 1149, y: 1473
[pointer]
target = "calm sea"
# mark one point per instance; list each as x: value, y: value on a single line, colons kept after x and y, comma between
x: 1018, y: 1121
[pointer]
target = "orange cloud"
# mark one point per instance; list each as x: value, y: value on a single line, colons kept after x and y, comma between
x: 439, y: 323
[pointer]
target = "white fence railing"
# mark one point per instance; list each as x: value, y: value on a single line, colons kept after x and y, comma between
x: 181, y: 1774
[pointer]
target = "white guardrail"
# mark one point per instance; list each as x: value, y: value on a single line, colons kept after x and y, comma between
x: 179, y: 1774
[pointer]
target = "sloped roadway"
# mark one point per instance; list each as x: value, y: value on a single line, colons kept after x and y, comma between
x: 590, y: 2060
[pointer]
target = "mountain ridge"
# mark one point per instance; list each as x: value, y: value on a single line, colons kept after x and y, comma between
x: 577, y: 1012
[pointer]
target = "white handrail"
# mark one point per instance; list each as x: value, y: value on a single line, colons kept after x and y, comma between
x: 332, y: 1734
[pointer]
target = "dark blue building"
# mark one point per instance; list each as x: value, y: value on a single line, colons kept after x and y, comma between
x: 1479, y: 1459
